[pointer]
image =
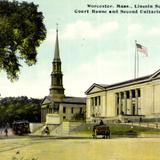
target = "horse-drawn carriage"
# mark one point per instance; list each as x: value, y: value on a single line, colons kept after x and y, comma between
x: 101, y: 130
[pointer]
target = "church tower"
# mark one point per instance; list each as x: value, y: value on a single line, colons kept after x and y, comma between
x: 56, y: 103
x: 57, y: 90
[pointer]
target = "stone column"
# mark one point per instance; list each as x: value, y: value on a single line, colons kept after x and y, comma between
x: 120, y: 103
x: 42, y: 115
x: 136, y: 99
x: 125, y: 102
x: 89, y: 110
x: 116, y: 105
x: 130, y: 96
x: 103, y: 105
x: 98, y: 101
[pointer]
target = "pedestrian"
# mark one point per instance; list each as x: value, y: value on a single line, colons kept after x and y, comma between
x: 101, y: 123
x: 6, y: 132
x: 47, y: 130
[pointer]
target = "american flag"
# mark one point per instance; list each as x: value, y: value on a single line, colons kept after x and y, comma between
x: 142, y: 49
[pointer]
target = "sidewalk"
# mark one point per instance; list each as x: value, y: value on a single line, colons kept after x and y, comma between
x: 3, y: 135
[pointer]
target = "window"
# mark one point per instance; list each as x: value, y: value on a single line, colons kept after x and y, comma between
x: 80, y: 110
x: 72, y: 110
x: 133, y: 93
x: 122, y: 95
x: 55, y: 66
x: 139, y: 92
x: 59, y: 67
x: 99, y: 99
x: 117, y: 98
x: 58, y: 81
x: 50, y: 110
x: 56, y: 107
x: 127, y: 94
x: 96, y: 101
x: 64, y: 117
x: 64, y: 109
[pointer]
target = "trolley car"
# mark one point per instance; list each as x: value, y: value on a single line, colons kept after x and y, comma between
x: 20, y: 127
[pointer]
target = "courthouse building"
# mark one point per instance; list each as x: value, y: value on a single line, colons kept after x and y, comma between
x: 56, y: 103
x: 138, y: 97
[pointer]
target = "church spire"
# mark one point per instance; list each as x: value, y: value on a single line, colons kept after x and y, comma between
x: 57, y: 90
x: 56, y: 52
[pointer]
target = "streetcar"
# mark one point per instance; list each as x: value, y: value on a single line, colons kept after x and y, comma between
x: 20, y: 127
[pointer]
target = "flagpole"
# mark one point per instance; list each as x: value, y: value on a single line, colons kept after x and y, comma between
x: 137, y: 65
x: 135, y: 61
x: 142, y: 49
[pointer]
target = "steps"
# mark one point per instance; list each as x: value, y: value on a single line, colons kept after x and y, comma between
x: 66, y: 128
x: 75, y: 126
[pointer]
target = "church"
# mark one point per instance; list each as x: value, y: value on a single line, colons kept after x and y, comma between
x: 125, y: 101
x: 67, y: 108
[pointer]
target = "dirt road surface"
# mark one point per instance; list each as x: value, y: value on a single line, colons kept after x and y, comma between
x: 80, y: 149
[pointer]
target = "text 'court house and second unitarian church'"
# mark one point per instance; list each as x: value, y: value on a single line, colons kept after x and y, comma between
x: 130, y: 99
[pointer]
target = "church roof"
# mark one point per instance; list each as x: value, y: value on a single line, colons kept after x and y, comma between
x: 68, y: 100
x: 74, y: 100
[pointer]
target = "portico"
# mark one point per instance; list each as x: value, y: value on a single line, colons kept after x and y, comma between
x: 136, y: 97
x: 127, y: 102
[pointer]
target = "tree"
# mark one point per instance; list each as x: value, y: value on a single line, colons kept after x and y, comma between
x: 21, y: 32
x: 20, y: 108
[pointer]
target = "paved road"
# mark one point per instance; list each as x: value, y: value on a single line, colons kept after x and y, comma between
x: 81, y: 149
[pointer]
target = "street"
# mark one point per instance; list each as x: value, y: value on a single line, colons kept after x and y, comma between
x: 46, y: 148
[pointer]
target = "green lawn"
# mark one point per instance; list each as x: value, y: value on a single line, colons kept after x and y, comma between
x: 120, y: 129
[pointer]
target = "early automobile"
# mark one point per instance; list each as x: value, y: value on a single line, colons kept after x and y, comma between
x: 101, y: 130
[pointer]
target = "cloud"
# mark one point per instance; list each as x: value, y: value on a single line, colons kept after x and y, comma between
x: 24, y: 88
x: 51, y: 34
x: 137, y: 29
x: 103, y: 69
x: 154, y: 31
x: 33, y: 84
x: 134, y: 29
x: 84, y: 29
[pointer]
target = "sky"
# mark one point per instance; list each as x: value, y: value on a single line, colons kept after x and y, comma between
x: 94, y: 47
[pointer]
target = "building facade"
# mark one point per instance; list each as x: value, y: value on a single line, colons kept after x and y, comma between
x: 68, y: 108
x: 133, y: 98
